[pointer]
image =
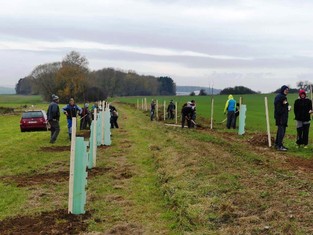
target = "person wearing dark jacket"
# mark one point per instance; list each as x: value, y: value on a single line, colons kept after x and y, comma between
x: 114, y: 116
x: 281, y: 110
x: 152, y: 109
x: 85, y: 121
x: 171, y: 110
x: 237, y: 114
x: 303, y: 110
x: 194, y: 114
x: 187, y: 113
x: 71, y: 110
x: 53, y: 116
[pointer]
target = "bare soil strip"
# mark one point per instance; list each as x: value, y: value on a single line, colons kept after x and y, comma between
x: 53, y: 222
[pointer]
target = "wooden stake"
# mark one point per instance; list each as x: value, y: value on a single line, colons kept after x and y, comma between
x: 94, y: 149
x: 142, y: 104
x: 72, y: 166
x: 164, y: 110
x: 146, y: 105
x: 212, y: 110
x: 137, y: 104
x: 102, y: 123
x: 157, y: 110
x: 311, y: 95
x: 176, y: 112
x: 268, y: 123
x: 240, y: 101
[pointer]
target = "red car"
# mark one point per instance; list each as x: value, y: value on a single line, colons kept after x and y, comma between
x: 34, y: 120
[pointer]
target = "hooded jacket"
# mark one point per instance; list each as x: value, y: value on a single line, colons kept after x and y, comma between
x: 230, y: 104
x: 53, y: 112
x: 281, y: 108
x: 302, y: 107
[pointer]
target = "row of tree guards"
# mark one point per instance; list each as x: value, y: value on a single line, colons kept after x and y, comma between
x: 242, y: 114
x: 83, y: 156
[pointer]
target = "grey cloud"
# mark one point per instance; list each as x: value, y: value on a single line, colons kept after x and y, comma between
x: 202, y: 62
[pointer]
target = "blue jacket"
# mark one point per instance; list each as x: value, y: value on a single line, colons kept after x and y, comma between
x: 72, y: 110
x: 230, y: 104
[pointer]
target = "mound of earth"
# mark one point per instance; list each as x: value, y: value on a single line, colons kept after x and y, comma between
x: 54, y: 222
x: 260, y: 140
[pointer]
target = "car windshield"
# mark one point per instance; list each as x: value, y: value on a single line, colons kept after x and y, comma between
x: 35, y: 114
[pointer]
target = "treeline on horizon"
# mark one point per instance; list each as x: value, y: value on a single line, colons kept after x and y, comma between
x: 72, y: 78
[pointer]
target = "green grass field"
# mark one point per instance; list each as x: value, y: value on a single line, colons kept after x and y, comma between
x: 255, y: 116
x: 156, y: 179
x: 255, y: 120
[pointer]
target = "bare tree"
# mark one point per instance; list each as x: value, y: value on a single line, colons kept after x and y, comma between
x: 44, y: 79
x: 304, y: 85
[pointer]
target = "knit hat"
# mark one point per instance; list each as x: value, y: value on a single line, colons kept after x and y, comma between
x: 302, y: 92
x: 55, y: 97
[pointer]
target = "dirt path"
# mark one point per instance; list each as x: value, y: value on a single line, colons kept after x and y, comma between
x: 127, y: 199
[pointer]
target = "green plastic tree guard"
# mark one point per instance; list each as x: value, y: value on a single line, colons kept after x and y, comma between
x: 107, y: 127
x: 99, y: 129
x: 92, y: 146
x: 242, y: 119
x: 80, y: 177
x: 90, y: 159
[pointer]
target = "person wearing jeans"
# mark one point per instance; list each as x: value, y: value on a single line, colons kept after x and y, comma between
x: 281, y: 110
x: 71, y: 110
x: 230, y: 109
x: 53, y: 116
x: 302, y: 111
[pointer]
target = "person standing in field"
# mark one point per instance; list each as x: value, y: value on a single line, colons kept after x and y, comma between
x: 85, y: 120
x: 281, y: 112
x: 71, y: 110
x: 171, y: 110
x: 193, y: 114
x: 187, y: 113
x: 152, y: 109
x: 53, y: 116
x: 230, y: 110
x: 114, y: 116
x: 302, y: 110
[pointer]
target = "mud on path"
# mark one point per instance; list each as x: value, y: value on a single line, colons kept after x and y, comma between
x: 53, y: 222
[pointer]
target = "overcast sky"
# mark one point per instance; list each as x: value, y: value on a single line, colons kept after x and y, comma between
x: 255, y: 43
